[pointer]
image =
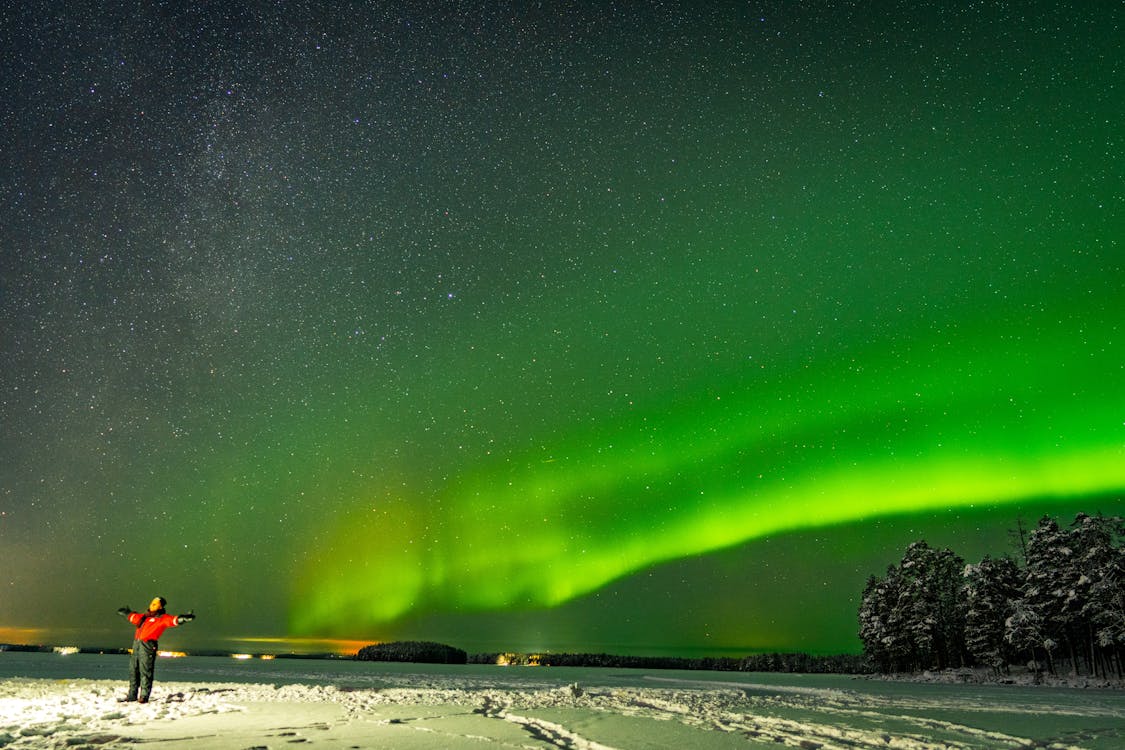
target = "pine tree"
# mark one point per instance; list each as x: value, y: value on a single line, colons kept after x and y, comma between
x: 1098, y: 594
x: 1023, y: 630
x: 1069, y: 584
x: 879, y: 630
x: 914, y: 617
x: 1041, y: 621
x: 1108, y: 617
x: 933, y: 611
x: 990, y: 589
x: 931, y: 605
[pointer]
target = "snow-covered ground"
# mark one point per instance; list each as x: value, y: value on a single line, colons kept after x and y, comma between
x: 51, y: 701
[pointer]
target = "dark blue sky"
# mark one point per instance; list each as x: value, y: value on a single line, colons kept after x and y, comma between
x: 626, y: 327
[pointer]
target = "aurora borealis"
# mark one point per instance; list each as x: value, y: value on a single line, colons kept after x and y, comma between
x: 646, y: 327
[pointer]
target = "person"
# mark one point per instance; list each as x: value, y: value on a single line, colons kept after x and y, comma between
x: 150, y: 625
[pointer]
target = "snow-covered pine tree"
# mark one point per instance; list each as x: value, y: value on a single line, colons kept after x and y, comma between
x: 1041, y: 622
x: 1108, y: 611
x: 913, y: 618
x: 1023, y: 630
x: 990, y: 590
x: 932, y: 605
x: 879, y: 628
x: 933, y: 611
x: 1095, y: 599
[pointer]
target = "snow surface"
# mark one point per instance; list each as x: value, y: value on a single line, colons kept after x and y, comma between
x: 50, y: 701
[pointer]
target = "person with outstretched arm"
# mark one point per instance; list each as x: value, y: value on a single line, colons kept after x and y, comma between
x: 149, y: 625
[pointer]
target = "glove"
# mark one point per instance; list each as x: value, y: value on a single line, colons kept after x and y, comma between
x: 124, y: 611
x: 181, y: 619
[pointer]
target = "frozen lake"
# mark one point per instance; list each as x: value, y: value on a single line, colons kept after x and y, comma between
x: 48, y: 700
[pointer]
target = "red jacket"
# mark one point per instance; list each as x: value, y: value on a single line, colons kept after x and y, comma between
x: 149, y: 627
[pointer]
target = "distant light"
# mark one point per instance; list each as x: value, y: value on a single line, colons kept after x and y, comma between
x: 65, y: 650
x: 266, y: 657
x: 242, y: 656
x: 172, y: 654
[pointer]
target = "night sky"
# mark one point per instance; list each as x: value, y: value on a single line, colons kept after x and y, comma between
x: 583, y: 326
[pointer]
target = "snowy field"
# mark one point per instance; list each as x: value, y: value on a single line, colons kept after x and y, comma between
x: 52, y: 701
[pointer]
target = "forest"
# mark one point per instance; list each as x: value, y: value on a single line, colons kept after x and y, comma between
x: 1059, y: 609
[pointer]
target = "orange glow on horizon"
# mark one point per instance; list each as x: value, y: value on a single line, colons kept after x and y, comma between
x: 22, y: 636
x: 334, y: 645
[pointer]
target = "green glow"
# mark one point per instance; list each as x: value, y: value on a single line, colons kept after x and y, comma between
x: 916, y: 429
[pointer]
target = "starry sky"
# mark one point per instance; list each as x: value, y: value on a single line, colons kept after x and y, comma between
x: 641, y: 327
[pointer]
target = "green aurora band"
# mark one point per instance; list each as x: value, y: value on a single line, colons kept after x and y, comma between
x: 969, y: 416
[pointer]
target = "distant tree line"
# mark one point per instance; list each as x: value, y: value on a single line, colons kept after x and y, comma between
x: 425, y: 652
x: 1064, y: 606
x: 776, y: 662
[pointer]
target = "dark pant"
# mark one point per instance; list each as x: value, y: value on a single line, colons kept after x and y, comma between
x: 142, y: 665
